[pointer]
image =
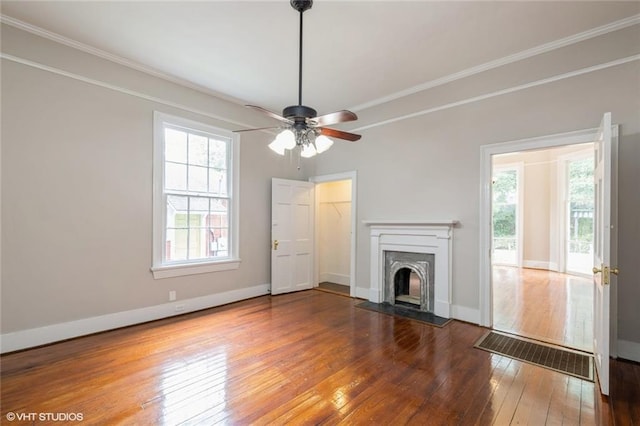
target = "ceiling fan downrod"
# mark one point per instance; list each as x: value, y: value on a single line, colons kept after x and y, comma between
x: 300, y: 112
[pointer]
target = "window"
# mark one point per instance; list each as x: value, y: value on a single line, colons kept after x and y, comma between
x: 195, y: 198
x: 579, y: 210
x: 507, y: 202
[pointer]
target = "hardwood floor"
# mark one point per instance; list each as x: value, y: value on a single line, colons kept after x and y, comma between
x: 303, y: 358
x: 544, y: 305
x: 334, y: 288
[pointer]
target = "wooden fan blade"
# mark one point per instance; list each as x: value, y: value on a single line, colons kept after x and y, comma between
x: 339, y: 134
x: 270, y: 114
x: 258, y: 128
x: 335, y: 117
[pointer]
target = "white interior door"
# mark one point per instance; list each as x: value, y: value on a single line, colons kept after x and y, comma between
x: 602, y: 251
x: 292, y: 229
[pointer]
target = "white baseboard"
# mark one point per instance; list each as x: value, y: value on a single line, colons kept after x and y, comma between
x: 334, y: 278
x: 629, y: 350
x: 53, y: 333
x: 466, y: 314
x: 540, y: 264
x: 362, y: 293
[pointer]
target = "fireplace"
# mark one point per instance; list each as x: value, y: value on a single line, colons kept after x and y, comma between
x: 411, y: 264
x: 409, y: 279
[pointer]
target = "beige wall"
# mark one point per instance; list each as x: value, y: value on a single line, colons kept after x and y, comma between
x: 76, y: 188
x: 334, y: 231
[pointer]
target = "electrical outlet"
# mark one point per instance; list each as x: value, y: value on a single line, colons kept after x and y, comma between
x: 180, y: 308
x: 172, y: 295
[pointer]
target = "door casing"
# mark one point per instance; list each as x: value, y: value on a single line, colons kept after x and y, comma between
x: 486, y: 153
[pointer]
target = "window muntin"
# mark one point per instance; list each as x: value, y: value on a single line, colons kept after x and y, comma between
x: 194, y: 209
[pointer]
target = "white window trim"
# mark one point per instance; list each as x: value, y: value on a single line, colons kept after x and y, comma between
x: 159, y: 269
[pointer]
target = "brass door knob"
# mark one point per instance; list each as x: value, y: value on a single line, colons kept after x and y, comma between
x: 275, y: 244
x: 596, y: 270
x: 615, y: 271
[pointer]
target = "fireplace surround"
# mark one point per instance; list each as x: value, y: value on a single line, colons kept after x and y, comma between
x: 429, y: 243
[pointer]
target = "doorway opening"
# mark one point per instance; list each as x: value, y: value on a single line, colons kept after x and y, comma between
x: 544, y: 258
x: 605, y: 140
x: 334, y: 263
x: 542, y: 244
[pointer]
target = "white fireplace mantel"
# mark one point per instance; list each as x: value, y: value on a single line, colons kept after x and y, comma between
x: 417, y: 236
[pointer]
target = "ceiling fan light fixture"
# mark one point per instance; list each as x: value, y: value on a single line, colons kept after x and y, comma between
x: 277, y: 146
x: 302, y: 126
x: 323, y: 143
x: 286, y: 139
x: 308, y: 151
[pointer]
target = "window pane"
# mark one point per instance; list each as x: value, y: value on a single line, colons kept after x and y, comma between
x: 175, y: 176
x: 217, y: 182
x: 581, y: 215
x: 505, y: 187
x: 176, y: 244
x: 218, y: 220
x: 199, y: 205
x: 176, y: 205
x: 504, y: 220
x: 218, y: 242
x: 218, y: 153
x: 175, y: 145
x: 197, y: 250
x: 197, y: 150
x: 219, y: 205
x: 505, y: 199
x: 197, y: 179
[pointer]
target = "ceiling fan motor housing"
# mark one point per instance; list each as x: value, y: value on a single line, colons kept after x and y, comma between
x: 299, y: 111
x: 301, y: 5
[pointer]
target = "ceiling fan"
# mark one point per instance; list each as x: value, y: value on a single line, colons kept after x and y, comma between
x: 302, y: 125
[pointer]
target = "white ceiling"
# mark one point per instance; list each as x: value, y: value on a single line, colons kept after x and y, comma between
x: 355, y: 52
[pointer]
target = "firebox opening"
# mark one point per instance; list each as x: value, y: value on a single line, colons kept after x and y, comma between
x: 407, y: 287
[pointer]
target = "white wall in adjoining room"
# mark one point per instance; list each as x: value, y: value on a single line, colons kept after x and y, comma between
x: 334, y: 231
x: 77, y: 194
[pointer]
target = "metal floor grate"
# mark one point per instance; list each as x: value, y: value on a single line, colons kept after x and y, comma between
x: 548, y: 356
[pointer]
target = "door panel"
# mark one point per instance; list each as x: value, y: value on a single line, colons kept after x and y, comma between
x: 602, y: 251
x: 292, y: 229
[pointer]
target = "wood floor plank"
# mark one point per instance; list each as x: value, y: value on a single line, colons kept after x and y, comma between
x: 544, y: 305
x: 305, y: 358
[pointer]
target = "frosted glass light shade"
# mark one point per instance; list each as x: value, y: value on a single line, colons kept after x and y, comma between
x: 308, y: 151
x: 287, y: 139
x: 277, y: 147
x: 323, y: 143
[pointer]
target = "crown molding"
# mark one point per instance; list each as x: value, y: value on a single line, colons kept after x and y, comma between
x: 479, y: 98
x: 544, y: 48
x: 508, y: 90
x: 120, y: 89
x: 538, y: 50
x: 49, y: 35
x: 525, y: 54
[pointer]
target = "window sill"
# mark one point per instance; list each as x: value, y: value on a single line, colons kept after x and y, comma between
x: 171, y: 271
